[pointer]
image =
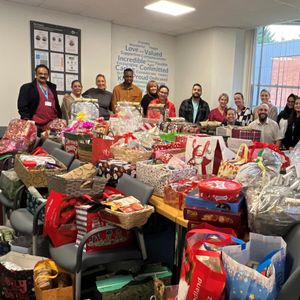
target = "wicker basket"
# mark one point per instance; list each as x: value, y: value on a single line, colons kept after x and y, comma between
x: 73, y: 187
x: 129, y: 155
x: 85, y: 152
x: 129, y: 220
x: 36, y: 177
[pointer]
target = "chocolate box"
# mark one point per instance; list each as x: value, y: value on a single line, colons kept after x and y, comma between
x: 114, y: 169
x: 192, y: 200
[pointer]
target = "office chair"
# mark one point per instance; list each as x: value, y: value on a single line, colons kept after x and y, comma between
x: 73, y: 259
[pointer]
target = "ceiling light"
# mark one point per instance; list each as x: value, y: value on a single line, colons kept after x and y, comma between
x: 170, y: 8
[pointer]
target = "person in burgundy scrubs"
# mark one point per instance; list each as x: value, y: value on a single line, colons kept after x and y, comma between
x: 219, y: 113
x: 38, y: 99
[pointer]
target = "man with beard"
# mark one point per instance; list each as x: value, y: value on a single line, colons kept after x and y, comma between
x: 38, y: 99
x: 126, y: 91
x: 270, y: 132
x: 194, y: 109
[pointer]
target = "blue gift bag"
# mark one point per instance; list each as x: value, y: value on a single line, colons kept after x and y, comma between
x: 243, y: 282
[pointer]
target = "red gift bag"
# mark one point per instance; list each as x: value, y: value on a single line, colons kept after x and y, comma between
x: 101, y: 149
x: 60, y: 213
x: 202, y: 273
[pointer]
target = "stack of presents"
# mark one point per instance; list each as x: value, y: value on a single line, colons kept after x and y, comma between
x: 239, y: 199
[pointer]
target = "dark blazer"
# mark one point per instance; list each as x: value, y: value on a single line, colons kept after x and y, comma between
x: 29, y: 99
x: 186, y: 110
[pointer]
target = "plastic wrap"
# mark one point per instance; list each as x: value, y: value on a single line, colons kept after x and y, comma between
x: 129, y: 119
x: 266, y: 167
x: 295, y: 154
x: 274, y: 208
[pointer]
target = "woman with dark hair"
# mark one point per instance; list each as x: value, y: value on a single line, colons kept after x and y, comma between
x: 219, y: 113
x: 103, y: 96
x: 290, y: 102
x: 231, y: 118
x: 291, y: 127
x: 152, y: 89
x: 68, y: 99
x: 163, y: 93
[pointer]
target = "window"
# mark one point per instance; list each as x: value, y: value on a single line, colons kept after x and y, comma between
x: 276, y: 63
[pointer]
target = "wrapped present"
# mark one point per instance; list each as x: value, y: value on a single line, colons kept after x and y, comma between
x: 175, y: 192
x: 42, y: 167
x: 57, y: 126
x: 19, y: 136
x: 156, y: 112
x: 274, y: 208
x: 129, y: 148
x: 234, y: 144
x: 246, y: 134
x: 216, y: 218
x: 72, y: 141
x: 110, y: 237
x: 157, y: 175
x: 223, y: 131
x: 229, y: 168
x: 193, y: 199
x: 89, y: 107
x: 114, y: 169
x: 180, y: 127
x: 9, y: 183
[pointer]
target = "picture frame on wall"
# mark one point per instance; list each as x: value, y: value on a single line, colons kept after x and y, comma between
x: 59, y: 48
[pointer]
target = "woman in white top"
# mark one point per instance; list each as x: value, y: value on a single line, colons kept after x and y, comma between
x: 265, y: 98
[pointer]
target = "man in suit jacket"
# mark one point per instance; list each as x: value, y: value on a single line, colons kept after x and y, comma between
x: 38, y: 99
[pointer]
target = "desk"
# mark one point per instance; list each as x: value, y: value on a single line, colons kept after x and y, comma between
x: 171, y: 213
x: 176, y: 216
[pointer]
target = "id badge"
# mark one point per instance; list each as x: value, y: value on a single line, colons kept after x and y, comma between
x: 48, y: 103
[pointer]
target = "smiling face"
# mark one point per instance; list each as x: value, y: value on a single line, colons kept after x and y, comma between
x: 153, y: 88
x: 163, y: 94
x: 197, y: 91
x: 76, y: 88
x: 290, y: 102
x: 239, y: 101
x: 263, y: 112
x: 42, y: 75
x: 230, y: 116
x: 265, y: 97
x: 128, y: 77
x: 223, y: 100
x: 101, y: 83
x: 297, y: 106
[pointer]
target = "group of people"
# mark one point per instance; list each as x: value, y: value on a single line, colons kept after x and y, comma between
x: 38, y: 101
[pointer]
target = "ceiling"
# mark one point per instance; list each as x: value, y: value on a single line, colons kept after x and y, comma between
x: 209, y: 13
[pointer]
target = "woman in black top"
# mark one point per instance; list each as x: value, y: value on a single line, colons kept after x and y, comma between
x: 103, y: 96
x: 152, y: 88
x: 290, y: 102
x: 292, y: 125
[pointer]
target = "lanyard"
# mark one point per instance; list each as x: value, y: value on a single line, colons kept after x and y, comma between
x: 45, y: 92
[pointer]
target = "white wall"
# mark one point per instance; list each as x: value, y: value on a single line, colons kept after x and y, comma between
x: 15, y: 49
x: 214, y: 58
x: 217, y: 58
x: 143, y: 40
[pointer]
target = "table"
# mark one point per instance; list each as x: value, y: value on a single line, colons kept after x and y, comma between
x: 176, y: 216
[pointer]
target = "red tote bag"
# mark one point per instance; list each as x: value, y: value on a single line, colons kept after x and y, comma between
x: 101, y: 149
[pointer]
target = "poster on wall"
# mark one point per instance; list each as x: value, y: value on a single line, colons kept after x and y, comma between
x: 147, y: 60
x: 57, y: 47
